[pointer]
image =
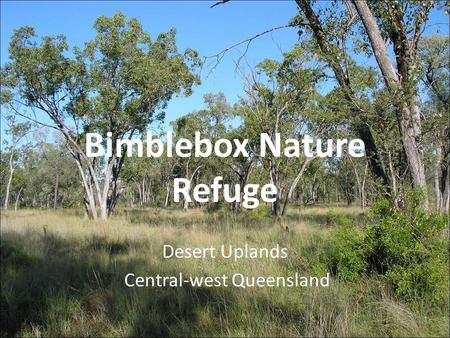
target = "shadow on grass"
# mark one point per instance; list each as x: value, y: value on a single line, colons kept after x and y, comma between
x: 209, y: 221
x: 116, y: 247
x: 326, y: 219
x: 42, y: 275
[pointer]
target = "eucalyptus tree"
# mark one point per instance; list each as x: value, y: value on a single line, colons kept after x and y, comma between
x: 331, y: 28
x: 146, y: 180
x: 385, y: 23
x: 241, y: 167
x: 403, y: 23
x: 374, y: 26
x: 211, y: 123
x: 119, y: 83
x: 278, y: 99
x: 342, y: 29
x: 48, y: 177
x: 434, y: 63
x: 16, y: 132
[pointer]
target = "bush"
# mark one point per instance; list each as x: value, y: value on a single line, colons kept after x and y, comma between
x: 336, y: 218
x: 408, y: 247
x: 350, y: 252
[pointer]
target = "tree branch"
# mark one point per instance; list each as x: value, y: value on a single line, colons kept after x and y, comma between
x: 219, y: 56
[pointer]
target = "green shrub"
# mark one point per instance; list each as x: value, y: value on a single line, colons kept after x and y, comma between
x: 256, y: 215
x: 350, y: 252
x: 336, y: 218
x: 408, y: 247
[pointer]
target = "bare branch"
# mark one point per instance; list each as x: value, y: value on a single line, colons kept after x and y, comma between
x: 221, y: 2
x: 17, y: 112
x: 219, y: 56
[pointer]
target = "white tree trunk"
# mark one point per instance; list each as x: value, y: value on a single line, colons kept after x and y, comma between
x: 17, y: 199
x: 406, y: 109
x: 294, y: 184
x: 8, y: 184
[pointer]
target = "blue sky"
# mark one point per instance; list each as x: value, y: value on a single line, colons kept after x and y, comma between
x: 198, y: 27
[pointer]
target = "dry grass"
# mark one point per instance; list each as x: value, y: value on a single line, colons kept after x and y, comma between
x: 62, y: 275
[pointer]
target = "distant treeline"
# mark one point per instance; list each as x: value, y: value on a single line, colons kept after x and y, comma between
x: 119, y: 83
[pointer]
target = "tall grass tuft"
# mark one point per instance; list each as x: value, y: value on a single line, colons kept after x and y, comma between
x: 62, y: 275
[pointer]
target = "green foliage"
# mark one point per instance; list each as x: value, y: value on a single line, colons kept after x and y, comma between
x: 338, y: 218
x: 68, y: 280
x: 257, y: 215
x: 116, y: 83
x: 119, y: 82
x: 408, y: 247
x: 350, y: 252
x: 411, y: 249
